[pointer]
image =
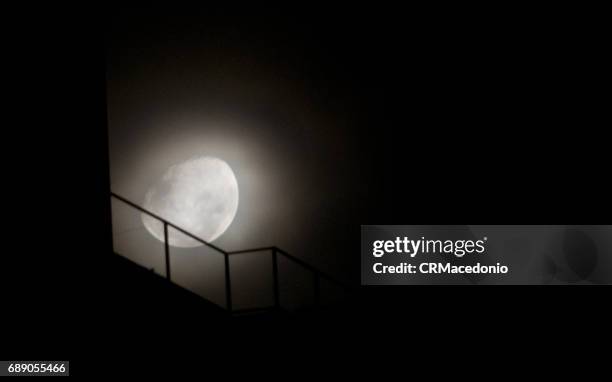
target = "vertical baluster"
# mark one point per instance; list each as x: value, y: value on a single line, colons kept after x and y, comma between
x: 167, y: 249
x: 228, y: 287
x: 317, y: 289
x: 275, y: 278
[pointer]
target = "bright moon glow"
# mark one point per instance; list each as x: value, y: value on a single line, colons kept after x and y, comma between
x: 199, y: 196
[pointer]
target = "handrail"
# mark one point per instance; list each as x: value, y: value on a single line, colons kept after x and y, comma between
x: 275, y: 250
x: 167, y: 222
x: 311, y: 268
x: 250, y: 250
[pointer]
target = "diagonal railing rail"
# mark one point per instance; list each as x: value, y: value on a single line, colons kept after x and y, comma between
x: 317, y: 275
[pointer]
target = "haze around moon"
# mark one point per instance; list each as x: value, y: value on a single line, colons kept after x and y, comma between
x: 199, y: 195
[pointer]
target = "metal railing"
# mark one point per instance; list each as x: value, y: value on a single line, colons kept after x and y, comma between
x: 317, y: 275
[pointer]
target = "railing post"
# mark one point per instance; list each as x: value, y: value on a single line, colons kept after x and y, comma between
x: 317, y: 289
x: 167, y: 250
x: 228, y: 286
x: 275, y: 277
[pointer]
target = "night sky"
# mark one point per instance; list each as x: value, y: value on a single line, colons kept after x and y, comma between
x: 274, y: 97
x: 347, y: 117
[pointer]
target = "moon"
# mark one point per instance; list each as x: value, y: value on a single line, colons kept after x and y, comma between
x: 199, y: 195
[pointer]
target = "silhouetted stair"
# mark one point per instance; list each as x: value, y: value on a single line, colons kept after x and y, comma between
x: 142, y: 292
x: 144, y: 287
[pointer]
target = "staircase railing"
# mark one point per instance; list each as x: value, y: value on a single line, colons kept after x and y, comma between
x: 317, y: 275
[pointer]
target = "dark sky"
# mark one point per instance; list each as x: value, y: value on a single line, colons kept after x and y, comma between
x: 275, y: 97
x: 339, y: 117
